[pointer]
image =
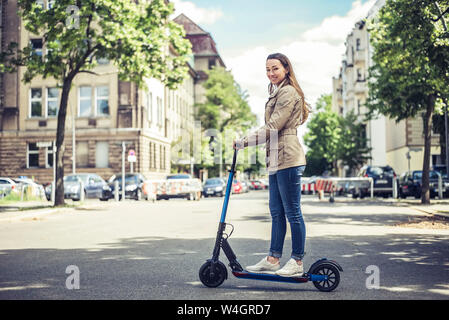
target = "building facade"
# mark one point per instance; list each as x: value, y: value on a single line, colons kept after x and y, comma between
x: 400, y: 145
x: 103, y: 113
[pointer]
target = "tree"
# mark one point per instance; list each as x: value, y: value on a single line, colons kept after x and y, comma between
x: 410, y: 69
x: 332, y: 138
x: 322, y: 138
x: 353, y: 148
x: 226, y: 112
x: 133, y: 35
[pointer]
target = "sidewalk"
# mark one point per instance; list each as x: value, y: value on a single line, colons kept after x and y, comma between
x: 26, y: 210
x: 35, y: 209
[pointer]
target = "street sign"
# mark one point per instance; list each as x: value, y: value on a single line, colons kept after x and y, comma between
x: 131, y: 156
x: 44, y: 144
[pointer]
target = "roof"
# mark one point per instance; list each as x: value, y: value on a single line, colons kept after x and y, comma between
x: 202, y: 42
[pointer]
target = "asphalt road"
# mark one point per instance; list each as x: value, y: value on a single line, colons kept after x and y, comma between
x: 145, y: 250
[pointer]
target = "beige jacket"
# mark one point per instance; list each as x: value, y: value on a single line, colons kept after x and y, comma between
x: 282, y: 118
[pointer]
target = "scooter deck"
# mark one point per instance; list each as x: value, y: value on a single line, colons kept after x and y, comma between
x: 273, y: 277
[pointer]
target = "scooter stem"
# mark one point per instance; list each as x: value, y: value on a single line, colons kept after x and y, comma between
x: 228, y: 188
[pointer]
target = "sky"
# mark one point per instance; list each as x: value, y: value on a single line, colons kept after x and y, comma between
x: 311, y: 33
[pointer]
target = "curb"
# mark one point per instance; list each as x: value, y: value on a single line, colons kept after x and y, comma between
x: 15, y: 216
x: 431, y: 211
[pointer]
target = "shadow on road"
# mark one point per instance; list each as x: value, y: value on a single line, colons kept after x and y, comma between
x: 412, y: 266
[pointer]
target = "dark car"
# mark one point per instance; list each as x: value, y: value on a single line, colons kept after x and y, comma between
x: 383, y: 177
x: 133, y: 185
x: 410, y: 184
x: 214, y: 187
x: 93, y: 186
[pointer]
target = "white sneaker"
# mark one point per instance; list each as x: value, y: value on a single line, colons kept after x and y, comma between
x: 291, y: 269
x: 264, y: 267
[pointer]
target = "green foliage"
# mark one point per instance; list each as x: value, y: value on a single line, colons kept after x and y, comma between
x: 411, y: 58
x: 134, y: 36
x: 227, y: 112
x: 323, y: 137
x: 331, y: 138
x: 410, y: 71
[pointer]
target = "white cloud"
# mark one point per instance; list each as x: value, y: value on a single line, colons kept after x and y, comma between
x: 205, y: 16
x: 316, y: 57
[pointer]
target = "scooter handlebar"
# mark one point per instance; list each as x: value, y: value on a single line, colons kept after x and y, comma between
x: 234, y: 160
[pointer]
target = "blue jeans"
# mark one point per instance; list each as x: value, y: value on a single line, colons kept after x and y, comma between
x: 285, y: 201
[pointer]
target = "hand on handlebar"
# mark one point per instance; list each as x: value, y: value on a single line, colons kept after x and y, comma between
x: 238, y: 144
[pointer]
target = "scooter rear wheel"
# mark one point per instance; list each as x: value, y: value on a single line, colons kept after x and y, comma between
x: 219, y: 275
x: 333, y: 277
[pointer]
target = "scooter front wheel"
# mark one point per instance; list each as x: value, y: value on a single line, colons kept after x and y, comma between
x: 333, y: 277
x: 213, y: 274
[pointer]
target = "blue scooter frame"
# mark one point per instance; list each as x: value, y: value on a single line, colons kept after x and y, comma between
x: 324, y: 273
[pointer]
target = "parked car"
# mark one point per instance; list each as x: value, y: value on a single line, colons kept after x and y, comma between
x: 265, y: 183
x: 37, y: 190
x: 245, y: 186
x: 133, y: 185
x: 236, y: 187
x: 410, y: 184
x: 441, y: 168
x: 256, y: 185
x: 179, y: 176
x: 94, y: 187
x: 214, y: 187
x: 181, y: 186
x: 382, y: 176
x: 7, y: 186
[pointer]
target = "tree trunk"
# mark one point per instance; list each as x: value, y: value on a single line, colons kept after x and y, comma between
x: 60, y: 148
x: 425, y: 192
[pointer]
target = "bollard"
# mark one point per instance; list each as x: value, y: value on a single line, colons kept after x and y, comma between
x: 395, y: 187
x: 82, y: 191
x: 116, y: 195
x: 53, y: 192
x: 371, y: 182
x: 440, y: 187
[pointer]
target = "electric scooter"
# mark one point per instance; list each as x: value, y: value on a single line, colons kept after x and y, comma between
x: 324, y: 273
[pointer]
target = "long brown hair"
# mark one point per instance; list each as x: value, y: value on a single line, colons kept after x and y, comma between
x: 291, y: 80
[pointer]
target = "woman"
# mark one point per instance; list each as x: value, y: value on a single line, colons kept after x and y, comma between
x: 284, y: 112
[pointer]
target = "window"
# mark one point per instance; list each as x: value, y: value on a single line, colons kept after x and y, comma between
x: 358, y: 44
x: 40, y: 3
x: 159, y: 111
x: 52, y: 102
x: 82, y: 154
x: 36, y: 102
x: 49, y: 161
x: 102, y: 100
x: 33, y: 156
x: 36, y: 46
x: 150, y: 106
x: 85, y: 102
x: 50, y: 4
x: 102, y: 155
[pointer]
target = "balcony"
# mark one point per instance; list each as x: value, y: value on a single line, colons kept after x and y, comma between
x: 361, y: 86
x: 360, y: 56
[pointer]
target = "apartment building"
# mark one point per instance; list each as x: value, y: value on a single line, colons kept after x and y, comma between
x: 400, y: 145
x: 205, y: 53
x: 103, y: 112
